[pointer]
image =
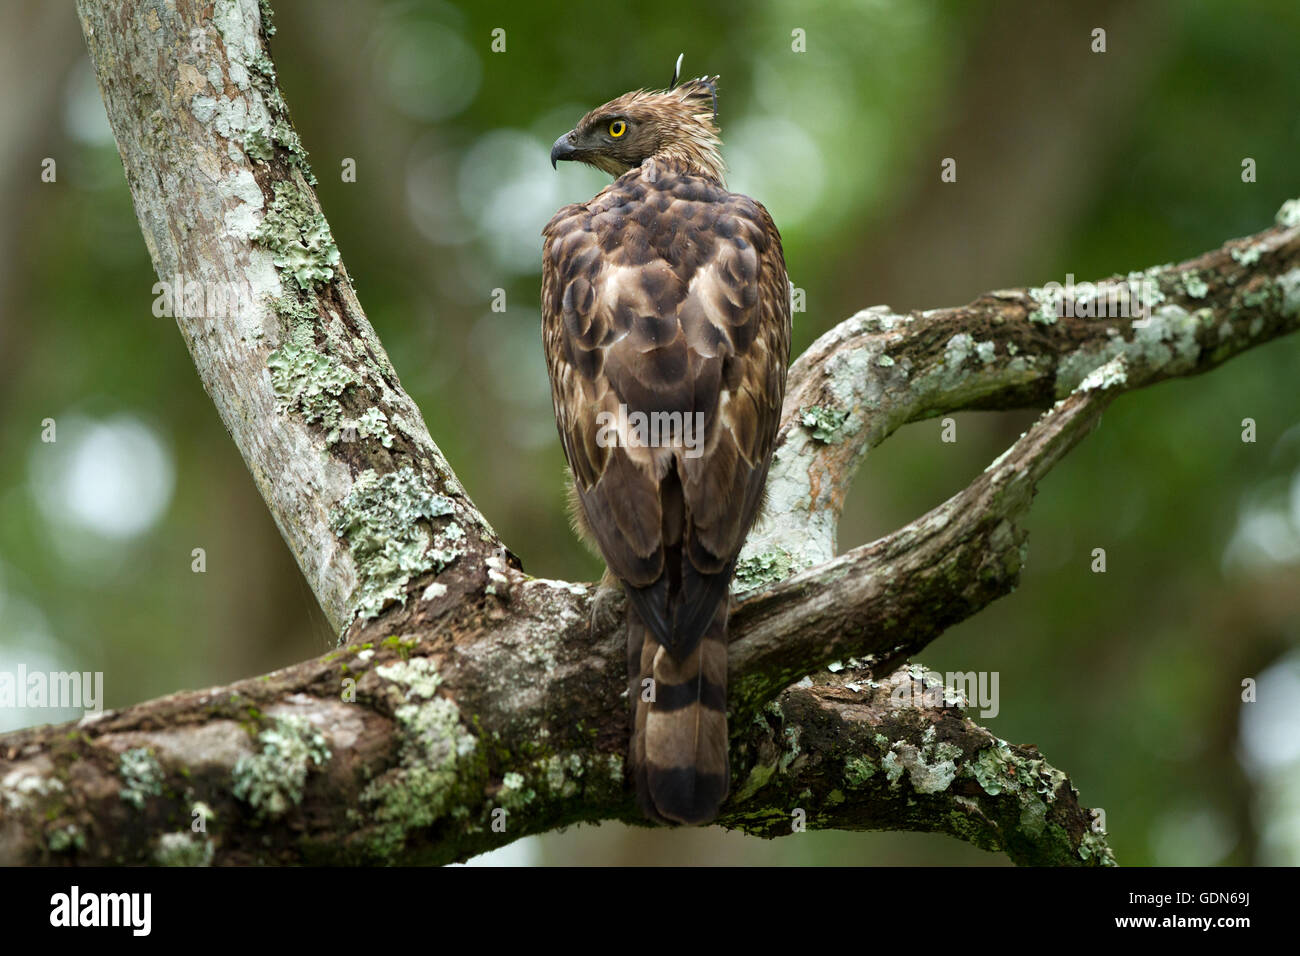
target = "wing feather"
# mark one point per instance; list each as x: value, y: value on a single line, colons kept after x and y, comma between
x: 661, y: 297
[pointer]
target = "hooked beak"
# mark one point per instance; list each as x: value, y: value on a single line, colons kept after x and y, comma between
x: 563, y: 149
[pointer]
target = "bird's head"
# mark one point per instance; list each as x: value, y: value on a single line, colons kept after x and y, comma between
x: 677, y: 125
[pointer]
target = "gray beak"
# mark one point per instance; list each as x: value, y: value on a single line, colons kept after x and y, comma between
x: 563, y: 149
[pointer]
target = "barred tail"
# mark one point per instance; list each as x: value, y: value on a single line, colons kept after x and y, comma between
x: 678, y: 755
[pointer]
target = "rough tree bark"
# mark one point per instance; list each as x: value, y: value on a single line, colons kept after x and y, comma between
x: 470, y: 704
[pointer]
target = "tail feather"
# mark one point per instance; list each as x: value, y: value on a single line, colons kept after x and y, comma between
x: 678, y: 753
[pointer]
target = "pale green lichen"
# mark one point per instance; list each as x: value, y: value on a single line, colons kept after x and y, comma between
x: 762, y: 570
x: 1289, y: 285
x: 273, y: 779
x: 1137, y: 295
x: 262, y: 65
x: 1094, y: 846
x: 66, y: 839
x: 1167, y: 340
x: 930, y: 767
x: 257, y: 145
x: 258, y: 142
x: 287, y: 137
x: 309, y: 381
x: 373, y: 423
x: 298, y: 237
x: 1262, y: 294
x: 1289, y: 214
x: 142, y: 777
x: 824, y: 424
x: 614, y: 769
x: 20, y: 789
x: 994, y: 769
x: 1088, y: 300
x: 515, y: 794
x: 183, y: 849
x: 562, y: 774
x: 1247, y: 256
x: 1113, y: 374
x: 893, y: 768
x: 379, y: 520
x: 959, y: 348
x: 1036, y: 785
x: 268, y: 23
x: 1048, y: 781
x: 1194, y: 285
x: 312, y: 383
x: 294, y: 310
x: 419, y: 678
x: 1049, y: 306
x: 438, y: 761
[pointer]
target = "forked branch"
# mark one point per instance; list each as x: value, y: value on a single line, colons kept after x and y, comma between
x: 471, y: 704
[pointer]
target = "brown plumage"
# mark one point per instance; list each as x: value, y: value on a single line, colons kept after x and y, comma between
x: 666, y: 295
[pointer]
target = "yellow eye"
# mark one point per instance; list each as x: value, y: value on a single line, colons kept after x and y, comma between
x: 617, y: 128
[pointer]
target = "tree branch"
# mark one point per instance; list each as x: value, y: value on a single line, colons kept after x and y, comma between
x: 472, y: 704
x: 340, y: 453
x: 1008, y: 349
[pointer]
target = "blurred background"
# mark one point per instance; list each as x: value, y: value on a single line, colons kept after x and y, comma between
x: 1068, y: 161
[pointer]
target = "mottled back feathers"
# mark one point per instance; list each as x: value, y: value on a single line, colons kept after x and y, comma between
x: 666, y: 295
